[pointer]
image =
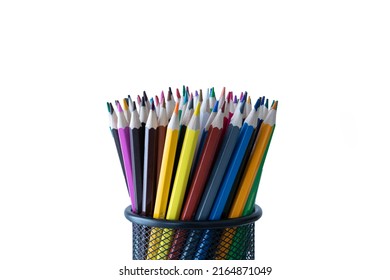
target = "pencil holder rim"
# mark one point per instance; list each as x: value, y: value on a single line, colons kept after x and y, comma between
x: 226, y: 223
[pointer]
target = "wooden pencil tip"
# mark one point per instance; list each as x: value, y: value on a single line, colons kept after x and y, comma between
x: 178, y: 93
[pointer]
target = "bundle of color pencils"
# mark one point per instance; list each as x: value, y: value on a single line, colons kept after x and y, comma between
x: 191, y: 157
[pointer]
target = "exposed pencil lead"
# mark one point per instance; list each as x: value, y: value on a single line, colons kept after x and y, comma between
x: 275, y: 106
x: 178, y: 93
x: 125, y: 104
x: 257, y: 104
x: 215, y: 109
x: 223, y: 107
x: 266, y: 103
x: 197, y: 110
x: 162, y: 95
x: 176, y: 107
x: 152, y: 103
x: 143, y: 101
x: 242, y: 107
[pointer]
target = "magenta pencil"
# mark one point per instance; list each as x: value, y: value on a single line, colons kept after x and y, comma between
x: 124, y: 138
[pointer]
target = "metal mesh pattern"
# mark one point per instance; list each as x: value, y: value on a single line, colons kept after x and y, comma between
x: 234, y: 243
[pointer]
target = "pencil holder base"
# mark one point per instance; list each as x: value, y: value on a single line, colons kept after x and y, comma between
x: 229, y: 239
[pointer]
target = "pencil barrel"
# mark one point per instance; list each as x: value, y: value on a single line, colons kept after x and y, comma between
x: 210, y: 240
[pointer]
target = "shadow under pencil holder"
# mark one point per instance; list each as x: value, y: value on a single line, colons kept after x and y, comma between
x: 229, y: 239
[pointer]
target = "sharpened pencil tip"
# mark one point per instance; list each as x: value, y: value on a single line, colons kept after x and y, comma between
x: 212, y: 93
x: 176, y: 108
x: 152, y: 104
x: 248, y: 100
x: 119, y: 106
x: 134, y: 107
x: 257, y: 104
x: 108, y: 107
x: 178, y: 93
x: 138, y: 99
x: 144, y: 94
x: 111, y: 108
x: 157, y: 100
x: 275, y: 106
x: 200, y: 96
x: 235, y: 99
x: 143, y: 101
x: 266, y: 103
x: 162, y: 95
x: 197, y: 109
x: 125, y: 104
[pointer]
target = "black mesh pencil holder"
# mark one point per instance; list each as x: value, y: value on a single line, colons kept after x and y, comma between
x: 229, y: 239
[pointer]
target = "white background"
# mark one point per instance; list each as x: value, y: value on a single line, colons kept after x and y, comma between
x: 325, y: 186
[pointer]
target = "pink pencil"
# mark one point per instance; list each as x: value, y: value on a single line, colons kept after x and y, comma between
x: 124, y: 138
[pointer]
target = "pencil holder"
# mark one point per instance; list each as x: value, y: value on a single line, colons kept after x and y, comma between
x: 232, y: 239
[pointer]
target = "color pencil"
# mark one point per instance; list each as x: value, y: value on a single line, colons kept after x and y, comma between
x: 124, y: 139
x: 113, y: 119
x: 180, y: 183
x: 164, y: 182
x: 150, y: 152
x: 166, y: 172
x: 182, y: 132
x: 143, y: 117
x: 135, y: 148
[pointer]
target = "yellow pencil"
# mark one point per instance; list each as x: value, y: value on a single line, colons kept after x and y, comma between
x: 253, y: 164
x: 180, y: 183
x: 164, y: 180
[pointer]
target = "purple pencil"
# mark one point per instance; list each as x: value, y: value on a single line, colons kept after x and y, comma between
x: 124, y: 138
